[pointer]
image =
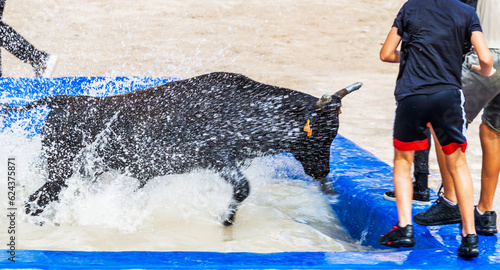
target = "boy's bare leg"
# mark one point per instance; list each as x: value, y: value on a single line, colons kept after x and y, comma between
x: 490, y: 144
x: 448, y: 186
x: 459, y: 171
x: 403, y: 186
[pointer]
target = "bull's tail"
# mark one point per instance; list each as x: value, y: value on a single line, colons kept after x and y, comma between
x: 46, y: 101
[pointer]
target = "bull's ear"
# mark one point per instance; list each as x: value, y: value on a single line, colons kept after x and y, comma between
x: 351, y: 88
x: 323, y: 100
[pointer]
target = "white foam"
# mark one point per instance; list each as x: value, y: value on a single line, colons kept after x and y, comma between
x: 173, y: 212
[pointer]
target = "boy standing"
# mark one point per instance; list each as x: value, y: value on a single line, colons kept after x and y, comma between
x: 428, y: 90
x: 479, y: 92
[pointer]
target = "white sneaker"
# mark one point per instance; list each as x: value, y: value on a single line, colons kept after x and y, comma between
x: 50, y: 64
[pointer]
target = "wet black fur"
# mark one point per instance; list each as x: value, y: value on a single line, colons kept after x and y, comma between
x: 215, y: 121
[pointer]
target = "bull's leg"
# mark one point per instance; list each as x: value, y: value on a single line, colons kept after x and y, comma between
x: 143, y: 181
x: 141, y: 172
x: 37, y: 202
x: 59, y: 171
x: 241, y: 190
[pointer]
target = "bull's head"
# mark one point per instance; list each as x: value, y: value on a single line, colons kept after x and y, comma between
x: 320, y: 128
x: 328, y: 106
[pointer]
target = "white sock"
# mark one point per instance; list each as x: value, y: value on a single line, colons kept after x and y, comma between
x: 449, y: 202
x: 479, y: 211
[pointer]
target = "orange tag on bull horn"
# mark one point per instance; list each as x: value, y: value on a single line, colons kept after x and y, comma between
x: 307, y: 128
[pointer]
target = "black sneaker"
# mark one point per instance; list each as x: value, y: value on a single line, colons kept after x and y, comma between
x: 440, y: 213
x: 419, y: 197
x: 398, y: 237
x: 469, y: 247
x: 486, y: 224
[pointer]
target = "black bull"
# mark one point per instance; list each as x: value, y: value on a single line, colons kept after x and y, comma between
x: 215, y: 121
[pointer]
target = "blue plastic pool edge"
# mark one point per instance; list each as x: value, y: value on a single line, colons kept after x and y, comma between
x: 359, y: 178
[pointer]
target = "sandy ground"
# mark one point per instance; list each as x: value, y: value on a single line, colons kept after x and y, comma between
x: 314, y: 46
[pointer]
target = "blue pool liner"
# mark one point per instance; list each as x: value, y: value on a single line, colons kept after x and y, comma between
x: 358, y: 177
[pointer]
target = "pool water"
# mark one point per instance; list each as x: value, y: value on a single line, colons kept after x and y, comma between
x: 171, y: 213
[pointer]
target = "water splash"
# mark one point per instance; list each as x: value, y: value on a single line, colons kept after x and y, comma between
x: 174, y: 212
x: 285, y: 210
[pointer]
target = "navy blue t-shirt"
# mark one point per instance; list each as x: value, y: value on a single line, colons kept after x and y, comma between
x: 433, y: 35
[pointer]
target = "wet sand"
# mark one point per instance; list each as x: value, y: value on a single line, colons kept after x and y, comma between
x: 313, y: 46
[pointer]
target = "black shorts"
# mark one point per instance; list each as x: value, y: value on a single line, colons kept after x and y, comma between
x: 443, y: 110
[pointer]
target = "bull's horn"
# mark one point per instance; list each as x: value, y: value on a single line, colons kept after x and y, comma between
x: 351, y: 88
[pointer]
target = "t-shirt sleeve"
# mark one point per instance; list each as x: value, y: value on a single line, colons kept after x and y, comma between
x: 399, y: 21
x: 475, y: 24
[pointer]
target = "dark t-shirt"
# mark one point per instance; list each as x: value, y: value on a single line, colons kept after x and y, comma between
x: 433, y: 35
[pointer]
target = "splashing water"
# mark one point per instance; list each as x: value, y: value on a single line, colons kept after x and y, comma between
x: 285, y: 210
x: 174, y: 212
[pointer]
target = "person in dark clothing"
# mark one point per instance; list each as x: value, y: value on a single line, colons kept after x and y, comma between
x: 421, y: 191
x: 42, y: 62
x: 432, y: 34
x: 480, y: 92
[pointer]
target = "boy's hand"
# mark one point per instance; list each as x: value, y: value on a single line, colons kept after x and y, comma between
x: 478, y: 68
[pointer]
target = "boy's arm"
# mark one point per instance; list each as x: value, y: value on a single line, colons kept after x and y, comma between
x: 389, y: 52
x: 483, y: 52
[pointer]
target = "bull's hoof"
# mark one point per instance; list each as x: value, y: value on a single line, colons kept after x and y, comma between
x: 48, y: 193
x: 229, y: 220
x: 31, y: 212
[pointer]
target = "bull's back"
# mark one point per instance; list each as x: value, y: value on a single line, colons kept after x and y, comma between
x: 208, y: 116
x: 217, y: 105
x: 216, y: 95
